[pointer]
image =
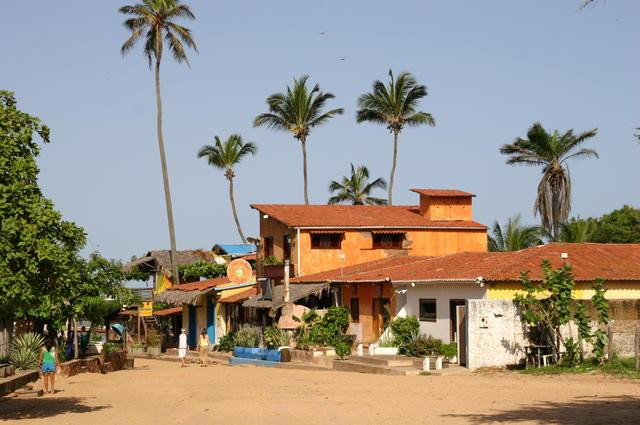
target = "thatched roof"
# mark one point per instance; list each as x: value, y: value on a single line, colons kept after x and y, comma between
x: 296, y: 292
x: 161, y: 260
x: 188, y: 293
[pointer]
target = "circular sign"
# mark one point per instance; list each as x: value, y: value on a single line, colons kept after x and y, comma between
x: 239, y: 271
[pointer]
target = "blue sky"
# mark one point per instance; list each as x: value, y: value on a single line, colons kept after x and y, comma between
x: 492, y: 68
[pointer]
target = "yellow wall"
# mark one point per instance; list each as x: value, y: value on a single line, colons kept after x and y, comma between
x: 446, y: 208
x: 615, y: 290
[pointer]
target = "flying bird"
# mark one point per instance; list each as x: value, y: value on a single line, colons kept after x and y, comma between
x: 344, y: 58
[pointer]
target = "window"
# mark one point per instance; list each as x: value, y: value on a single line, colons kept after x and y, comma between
x: 326, y: 240
x: 268, y: 247
x: 428, y: 309
x: 355, y: 310
x: 388, y: 240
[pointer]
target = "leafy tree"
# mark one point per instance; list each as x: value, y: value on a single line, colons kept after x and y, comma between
x: 297, y: 111
x: 357, y: 188
x: 201, y: 269
x: 394, y: 106
x: 154, y: 20
x: 551, y: 151
x: 619, y: 226
x: 601, y: 304
x: 578, y: 230
x: 584, y: 329
x: 515, y: 237
x: 225, y: 156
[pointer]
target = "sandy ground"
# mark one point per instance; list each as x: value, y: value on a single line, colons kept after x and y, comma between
x: 157, y: 392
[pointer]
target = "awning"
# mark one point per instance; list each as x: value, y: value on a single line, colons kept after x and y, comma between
x: 238, y: 297
x: 168, y: 311
x: 297, y: 291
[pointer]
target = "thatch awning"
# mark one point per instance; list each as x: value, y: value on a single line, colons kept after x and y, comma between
x: 189, y: 293
x: 296, y: 292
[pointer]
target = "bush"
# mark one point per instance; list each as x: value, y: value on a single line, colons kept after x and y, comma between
x: 386, y: 339
x: 110, y: 347
x: 227, y: 342
x: 404, y: 329
x: 329, y: 329
x: 449, y: 350
x: 153, y: 338
x: 343, y: 349
x: 420, y: 346
x: 248, y: 336
x: 275, y: 337
x: 272, y: 261
x: 25, y: 350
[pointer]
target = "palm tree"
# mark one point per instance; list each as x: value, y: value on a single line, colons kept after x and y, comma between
x: 578, y: 230
x: 298, y: 111
x: 225, y: 156
x: 153, y: 20
x: 357, y: 188
x: 394, y: 106
x: 515, y: 237
x: 551, y: 151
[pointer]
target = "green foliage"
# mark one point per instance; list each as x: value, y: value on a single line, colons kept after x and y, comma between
x: 201, y: 269
x: 111, y: 347
x: 307, y: 321
x: 248, y: 336
x: 138, y: 273
x: 619, y: 226
x: 25, y: 350
x: 449, y: 350
x: 386, y: 339
x: 624, y: 367
x: 582, y: 319
x: 343, y: 349
x: 404, y: 329
x: 572, y: 355
x: 577, y: 230
x: 275, y: 337
x: 227, y: 342
x: 517, y: 236
x: 357, y: 189
x: 420, y: 345
x: 601, y: 305
x: 330, y: 328
x: 153, y: 339
x: 272, y: 261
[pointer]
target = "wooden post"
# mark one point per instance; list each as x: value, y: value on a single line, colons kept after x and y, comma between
x: 286, y: 281
x: 75, y: 339
x: 138, y: 328
x: 637, y: 347
x: 610, y: 342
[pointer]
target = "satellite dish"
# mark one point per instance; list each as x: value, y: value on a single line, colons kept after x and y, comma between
x: 239, y: 271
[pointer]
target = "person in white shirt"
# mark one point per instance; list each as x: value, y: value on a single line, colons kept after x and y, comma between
x: 182, y: 347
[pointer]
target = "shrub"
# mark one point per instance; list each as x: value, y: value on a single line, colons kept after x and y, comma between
x: 25, y: 350
x: 227, y: 342
x: 248, y: 336
x: 343, y: 349
x: 386, y: 339
x: 275, y: 337
x: 329, y: 329
x: 449, y: 350
x: 110, y: 347
x: 153, y: 338
x: 404, y: 329
x: 420, y: 346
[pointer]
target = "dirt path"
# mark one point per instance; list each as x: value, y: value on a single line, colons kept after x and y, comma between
x: 161, y: 393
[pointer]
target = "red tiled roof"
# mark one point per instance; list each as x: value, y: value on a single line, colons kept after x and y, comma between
x: 588, y: 261
x: 203, y: 284
x: 167, y: 311
x: 443, y: 193
x: 360, y: 216
x: 241, y: 296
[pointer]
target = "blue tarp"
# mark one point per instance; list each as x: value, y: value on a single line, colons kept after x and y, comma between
x: 236, y: 249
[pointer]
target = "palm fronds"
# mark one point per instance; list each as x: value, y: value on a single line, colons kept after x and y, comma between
x: 514, y: 237
x: 356, y: 189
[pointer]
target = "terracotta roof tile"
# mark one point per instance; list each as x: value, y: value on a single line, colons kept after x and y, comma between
x: 167, y: 311
x: 443, y: 193
x: 589, y: 261
x: 361, y: 216
x: 203, y: 284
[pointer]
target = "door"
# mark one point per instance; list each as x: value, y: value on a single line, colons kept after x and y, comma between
x: 193, y: 327
x: 461, y: 325
x: 453, y: 317
x: 381, y: 316
x: 211, y: 319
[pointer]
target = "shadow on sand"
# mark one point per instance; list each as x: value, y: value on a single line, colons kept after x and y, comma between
x: 580, y: 411
x: 43, y: 407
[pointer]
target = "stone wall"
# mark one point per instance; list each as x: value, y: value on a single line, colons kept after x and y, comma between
x: 496, y: 337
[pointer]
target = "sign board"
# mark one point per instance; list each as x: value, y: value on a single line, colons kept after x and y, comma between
x: 239, y: 271
x: 147, y: 309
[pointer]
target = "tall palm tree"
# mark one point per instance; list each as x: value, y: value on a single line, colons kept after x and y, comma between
x: 551, y: 151
x: 154, y: 20
x: 578, y: 230
x: 357, y: 188
x: 297, y: 111
x: 225, y: 156
x: 515, y: 237
x: 394, y: 106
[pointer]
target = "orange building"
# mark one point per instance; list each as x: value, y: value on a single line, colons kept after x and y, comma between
x: 318, y: 238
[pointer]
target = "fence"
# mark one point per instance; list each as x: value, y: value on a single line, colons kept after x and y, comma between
x: 5, y: 337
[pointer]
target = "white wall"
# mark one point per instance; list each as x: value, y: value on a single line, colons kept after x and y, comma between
x: 444, y: 292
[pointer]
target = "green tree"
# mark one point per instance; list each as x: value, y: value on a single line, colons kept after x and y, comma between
x: 202, y: 269
x: 226, y: 156
x: 357, y: 188
x: 515, y: 237
x: 619, y: 226
x: 297, y: 111
x: 601, y: 305
x: 154, y: 20
x: 38, y: 249
x: 394, y: 106
x: 551, y: 151
x: 578, y: 230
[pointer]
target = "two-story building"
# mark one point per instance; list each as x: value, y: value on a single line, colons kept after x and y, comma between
x: 318, y: 238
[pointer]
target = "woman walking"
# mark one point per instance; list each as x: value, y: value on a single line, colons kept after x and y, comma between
x: 203, y: 347
x: 48, y: 362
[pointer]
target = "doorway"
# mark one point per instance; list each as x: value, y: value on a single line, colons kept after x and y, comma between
x: 381, y: 316
x: 461, y: 333
x: 453, y: 318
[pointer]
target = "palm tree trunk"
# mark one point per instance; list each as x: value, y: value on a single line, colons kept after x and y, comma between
x: 165, y: 180
x: 304, y: 169
x: 393, y: 166
x: 233, y: 209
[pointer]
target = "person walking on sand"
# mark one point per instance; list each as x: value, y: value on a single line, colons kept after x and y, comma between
x: 203, y: 347
x: 48, y: 362
x: 182, y: 347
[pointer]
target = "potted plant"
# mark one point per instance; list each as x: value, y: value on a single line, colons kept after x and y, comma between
x: 153, y: 342
x: 96, y: 345
x: 247, y: 342
x: 137, y: 349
